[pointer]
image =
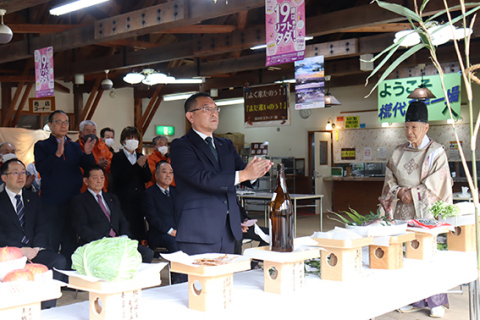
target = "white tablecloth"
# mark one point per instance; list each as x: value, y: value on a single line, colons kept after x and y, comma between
x: 375, y: 293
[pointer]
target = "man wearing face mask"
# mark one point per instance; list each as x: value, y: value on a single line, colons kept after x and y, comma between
x: 101, y: 152
x: 130, y: 173
x: 108, y: 136
x: 160, y: 152
x: 8, y: 152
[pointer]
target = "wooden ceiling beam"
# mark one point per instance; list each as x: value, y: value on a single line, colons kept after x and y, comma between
x: 17, y: 5
x: 20, y: 107
x: 130, y: 43
x: 40, y: 28
x: 200, y: 29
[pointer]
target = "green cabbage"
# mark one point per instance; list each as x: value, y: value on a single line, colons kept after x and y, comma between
x: 111, y: 259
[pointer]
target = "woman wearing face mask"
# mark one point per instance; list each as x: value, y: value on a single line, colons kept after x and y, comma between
x: 160, y: 152
x: 130, y: 172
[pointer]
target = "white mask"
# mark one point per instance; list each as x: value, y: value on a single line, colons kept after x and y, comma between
x: 163, y: 149
x: 8, y: 156
x: 109, y: 142
x: 131, y: 145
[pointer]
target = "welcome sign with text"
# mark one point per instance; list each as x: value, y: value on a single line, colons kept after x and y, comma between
x: 393, y: 102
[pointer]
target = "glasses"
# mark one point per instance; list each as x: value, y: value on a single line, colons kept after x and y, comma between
x: 207, y: 109
x: 60, y: 122
x: 17, y: 173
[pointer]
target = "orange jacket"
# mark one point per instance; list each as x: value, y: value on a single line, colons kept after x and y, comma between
x: 99, y: 150
x: 153, y: 159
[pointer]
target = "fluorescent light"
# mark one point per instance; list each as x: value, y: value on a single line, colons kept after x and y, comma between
x: 228, y: 102
x: 385, y: 124
x: 187, y: 81
x: 177, y: 96
x: 74, y: 6
x: 286, y: 80
x: 263, y: 46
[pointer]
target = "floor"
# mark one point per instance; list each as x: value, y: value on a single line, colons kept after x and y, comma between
x: 306, y: 225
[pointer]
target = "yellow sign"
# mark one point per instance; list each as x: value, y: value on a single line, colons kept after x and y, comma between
x: 348, y: 153
x: 352, y: 122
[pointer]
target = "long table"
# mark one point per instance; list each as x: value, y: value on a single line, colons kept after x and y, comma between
x: 267, y: 197
x: 375, y: 293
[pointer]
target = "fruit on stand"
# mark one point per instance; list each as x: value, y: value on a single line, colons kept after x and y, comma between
x: 36, y: 268
x: 18, y: 275
x: 10, y: 253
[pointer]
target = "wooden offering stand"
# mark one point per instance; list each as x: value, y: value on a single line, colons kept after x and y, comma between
x: 287, y: 272
x: 389, y: 257
x: 342, y: 259
x: 22, y: 301
x: 210, y: 287
x: 462, y: 239
x: 116, y: 300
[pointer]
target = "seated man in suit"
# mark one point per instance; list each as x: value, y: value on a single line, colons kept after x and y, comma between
x: 158, y: 208
x: 96, y: 214
x: 22, y: 222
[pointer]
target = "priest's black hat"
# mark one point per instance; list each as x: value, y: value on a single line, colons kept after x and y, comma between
x: 417, y: 112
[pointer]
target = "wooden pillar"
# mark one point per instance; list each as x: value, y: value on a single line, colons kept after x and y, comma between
x: 77, y: 105
x: 6, y: 98
x: 137, y: 113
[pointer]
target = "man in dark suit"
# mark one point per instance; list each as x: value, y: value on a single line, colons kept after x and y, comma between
x: 159, y: 209
x: 207, y: 169
x: 22, y: 222
x: 96, y: 214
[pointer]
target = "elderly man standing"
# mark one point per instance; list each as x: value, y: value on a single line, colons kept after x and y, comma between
x: 417, y: 175
x: 160, y: 152
x: 58, y: 159
x: 207, y: 170
x: 101, y: 152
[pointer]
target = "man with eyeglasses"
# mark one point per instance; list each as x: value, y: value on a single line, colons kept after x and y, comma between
x: 22, y: 222
x: 207, y: 170
x: 58, y: 159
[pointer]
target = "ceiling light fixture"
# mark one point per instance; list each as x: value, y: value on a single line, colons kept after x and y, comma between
x: 228, y: 102
x: 177, y: 96
x: 422, y: 92
x: 6, y: 33
x: 263, y: 46
x: 107, y: 84
x: 330, y: 100
x: 74, y: 6
x: 330, y: 125
x: 439, y: 33
x: 150, y: 77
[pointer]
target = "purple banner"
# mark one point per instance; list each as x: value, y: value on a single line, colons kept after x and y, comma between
x: 44, y: 81
x: 285, y: 31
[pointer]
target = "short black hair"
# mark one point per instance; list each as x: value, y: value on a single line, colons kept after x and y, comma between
x: 87, y: 171
x: 102, y: 132
x: 50, y: 117
x: 191, y: 102
x: 6, y: 165
x: 159, y: 163
x: 130, y: 132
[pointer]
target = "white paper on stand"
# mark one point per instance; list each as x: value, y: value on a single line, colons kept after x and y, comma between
x: 337, y: 234
x: 258, y: 231
x: 183, y: 258
x: 382, y: 241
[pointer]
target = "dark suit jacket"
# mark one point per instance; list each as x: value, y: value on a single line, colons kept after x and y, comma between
x: 159, y: 209
x: 205, y: 188
x: 89, y: 221
x: 11, y: 232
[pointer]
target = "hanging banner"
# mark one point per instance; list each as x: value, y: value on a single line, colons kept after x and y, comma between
x: 267, y: 105
x: 285, y: 31
x: 393, y: 102
x: 310, y: 83
x: 44, y: 81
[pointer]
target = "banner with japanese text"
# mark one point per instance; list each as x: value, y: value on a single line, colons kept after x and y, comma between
x: 393, y: 102
x: 310, y: 83
x: 285, y: 31
x: 267, y: 105
x: 44, y: 80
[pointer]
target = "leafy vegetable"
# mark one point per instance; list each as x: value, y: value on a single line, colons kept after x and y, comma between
x: 111, y: 259
x: 360, y: 220
x: 443, y: 210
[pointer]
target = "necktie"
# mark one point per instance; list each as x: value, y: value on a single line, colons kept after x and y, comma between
x: 167, y: 193
x: 21, y: 215
x: 212, y: 148
x: 102, y: 206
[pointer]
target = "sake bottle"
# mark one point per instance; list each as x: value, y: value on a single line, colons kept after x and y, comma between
x: 281, y: 216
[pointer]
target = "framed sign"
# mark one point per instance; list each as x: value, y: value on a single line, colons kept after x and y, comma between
x: 267, y: 105
x: 41, y: 105
x: 259, y: 148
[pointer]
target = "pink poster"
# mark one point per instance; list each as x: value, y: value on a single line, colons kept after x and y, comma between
x: 44, y: 81
x: 285, y: 27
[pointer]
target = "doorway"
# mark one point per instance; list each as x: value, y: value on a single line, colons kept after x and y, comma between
x: 320, y: 156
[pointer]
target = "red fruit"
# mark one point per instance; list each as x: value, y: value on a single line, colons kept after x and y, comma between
x: 36, y: 268
x: 18, y: 275
x: 10, y: 253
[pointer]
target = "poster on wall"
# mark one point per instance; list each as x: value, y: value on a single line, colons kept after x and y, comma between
x: 310, y: 83
x: 393, y: 101
x: 285, y: 31
x: 44, y: 80
x: 267, y: 105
